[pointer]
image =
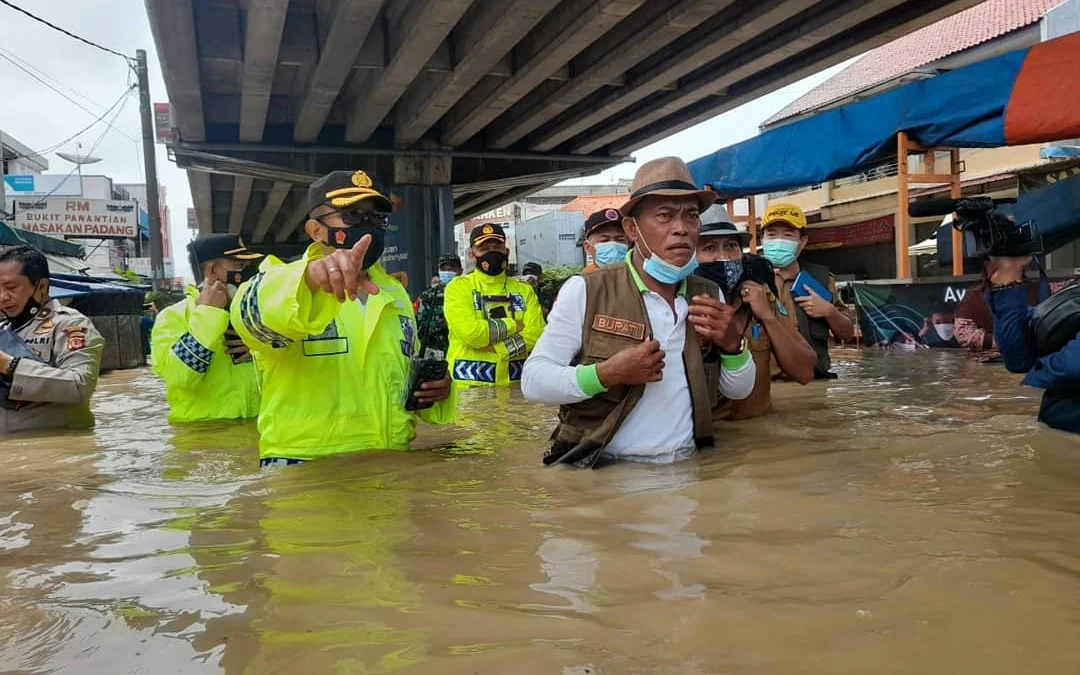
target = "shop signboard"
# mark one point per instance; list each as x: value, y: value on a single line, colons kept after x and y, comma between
x: 68, y: 217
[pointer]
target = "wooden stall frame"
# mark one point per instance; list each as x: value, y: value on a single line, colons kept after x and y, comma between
x: 750, y: 220
x: 904, y: 148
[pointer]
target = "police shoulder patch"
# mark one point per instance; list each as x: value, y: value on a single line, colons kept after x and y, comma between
x: 517, y: 302
x: 76, y: 337
x: 408, y: 333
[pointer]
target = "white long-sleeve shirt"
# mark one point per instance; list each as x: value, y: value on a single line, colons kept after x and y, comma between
x: 661, y: 426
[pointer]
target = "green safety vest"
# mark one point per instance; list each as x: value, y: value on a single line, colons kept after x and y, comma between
x: 334, y: 375
x: 187, y: 348
x: 487, y: 350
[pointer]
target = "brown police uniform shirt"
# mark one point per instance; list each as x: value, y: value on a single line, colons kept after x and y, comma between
x: 761, y: 349
x: 55, y: 391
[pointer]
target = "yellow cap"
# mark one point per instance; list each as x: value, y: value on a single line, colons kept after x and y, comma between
x: 787, y: 214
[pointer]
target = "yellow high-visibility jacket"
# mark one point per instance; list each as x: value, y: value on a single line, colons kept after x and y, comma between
x: 487, y: 350
x: 334, y: 375
x: 187, y: 347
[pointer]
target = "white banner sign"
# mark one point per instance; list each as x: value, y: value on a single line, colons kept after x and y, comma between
x: 60, y: 217
x: 21, y: 185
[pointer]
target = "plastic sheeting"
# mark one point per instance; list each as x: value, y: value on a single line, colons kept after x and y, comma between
x: 975, y: 106
x: 10, y: 236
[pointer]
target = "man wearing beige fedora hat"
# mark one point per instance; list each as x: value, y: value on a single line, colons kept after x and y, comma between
x: 602, y: 358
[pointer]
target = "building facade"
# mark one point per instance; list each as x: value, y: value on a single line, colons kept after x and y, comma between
x: 524, y: 221
x: 853, y: 220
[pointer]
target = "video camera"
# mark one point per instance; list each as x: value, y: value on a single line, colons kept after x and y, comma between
x: 993, y: 231
x: 1041, y: 221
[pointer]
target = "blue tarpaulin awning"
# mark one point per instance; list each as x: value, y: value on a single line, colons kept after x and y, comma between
x: 57, y: 293
x: 1013, y: 99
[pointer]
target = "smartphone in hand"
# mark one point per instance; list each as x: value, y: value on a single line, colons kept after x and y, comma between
x: 230, y: 336
x: 421, y: 371
x: 803, y: 282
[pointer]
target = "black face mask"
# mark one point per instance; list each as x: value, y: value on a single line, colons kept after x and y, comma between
x: 759, y: 269
x: 29, y: 311
x: 492, y: 263
x: 237, y: 277
x: 725, y: 273
x: 348, y: 237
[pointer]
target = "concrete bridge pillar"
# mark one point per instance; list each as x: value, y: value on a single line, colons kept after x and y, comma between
x: 422, y: 228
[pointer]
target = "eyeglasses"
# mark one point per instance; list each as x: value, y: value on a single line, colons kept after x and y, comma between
x: 355, y: 217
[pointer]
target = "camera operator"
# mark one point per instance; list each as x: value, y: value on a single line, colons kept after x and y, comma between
x: 1057, y: 373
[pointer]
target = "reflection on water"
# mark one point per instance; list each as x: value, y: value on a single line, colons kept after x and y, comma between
x: 909, y: 517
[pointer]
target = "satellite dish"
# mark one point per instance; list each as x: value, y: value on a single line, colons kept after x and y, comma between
x: 78, y: 159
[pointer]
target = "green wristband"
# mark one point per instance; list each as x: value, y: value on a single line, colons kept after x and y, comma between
x: 589, y: 381
x: 735, y: 361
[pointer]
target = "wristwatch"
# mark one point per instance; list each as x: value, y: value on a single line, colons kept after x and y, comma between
x: 12, y: 365
x: 740, y: 350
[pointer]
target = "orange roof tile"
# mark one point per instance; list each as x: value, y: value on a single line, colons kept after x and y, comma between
x: 590, y: 204
x: 963, y: 30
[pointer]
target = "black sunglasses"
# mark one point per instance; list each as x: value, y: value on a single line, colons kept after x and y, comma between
x: 353, y: 218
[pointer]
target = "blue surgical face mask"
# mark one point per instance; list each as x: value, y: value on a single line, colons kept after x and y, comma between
x: 610, y: 253
x: 446, y: 275
x: 660, y: 269
x: 781, y: 252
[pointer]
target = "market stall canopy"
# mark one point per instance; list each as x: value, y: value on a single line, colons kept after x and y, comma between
x: 10, y: 236
x: 1014, y: 99
x: 924, y: 247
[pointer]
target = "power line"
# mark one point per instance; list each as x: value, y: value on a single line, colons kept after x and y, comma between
x: 7, y: 58
x: 65, y: 32
x: 80, y: 132
x: 56, y: 82
x: 123, y: 101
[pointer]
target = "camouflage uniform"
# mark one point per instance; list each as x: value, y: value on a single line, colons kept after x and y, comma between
x: 431, y: 322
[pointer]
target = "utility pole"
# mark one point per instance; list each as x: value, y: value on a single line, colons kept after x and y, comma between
x: 3, y: 184
x: 157, y: 257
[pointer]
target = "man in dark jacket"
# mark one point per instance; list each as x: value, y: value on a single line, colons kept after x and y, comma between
x: 1057, y: 374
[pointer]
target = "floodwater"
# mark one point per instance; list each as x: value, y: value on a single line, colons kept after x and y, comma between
x: 908, y: 518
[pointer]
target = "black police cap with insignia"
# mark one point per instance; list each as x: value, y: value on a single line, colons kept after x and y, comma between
x: 482, y: 233
x: 343, y: 190
x: 207, y: 247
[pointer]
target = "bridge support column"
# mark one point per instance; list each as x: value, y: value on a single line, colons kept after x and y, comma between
x: 424, y: 218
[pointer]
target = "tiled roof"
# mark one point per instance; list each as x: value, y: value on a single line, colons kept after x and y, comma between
x: 964, y: 30
x: 589, y: 204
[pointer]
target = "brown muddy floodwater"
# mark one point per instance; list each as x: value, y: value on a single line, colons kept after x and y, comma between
x: 907, y: 518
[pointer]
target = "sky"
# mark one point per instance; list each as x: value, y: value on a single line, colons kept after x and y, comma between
x: 39, y: 117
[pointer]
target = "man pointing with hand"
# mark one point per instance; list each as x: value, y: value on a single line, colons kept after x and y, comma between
x: 604, y: 357
x: 333, y: 335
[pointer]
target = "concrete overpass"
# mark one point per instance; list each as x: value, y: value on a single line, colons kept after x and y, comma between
x: 459, y: 106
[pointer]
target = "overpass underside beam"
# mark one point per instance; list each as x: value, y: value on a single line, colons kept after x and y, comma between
x: 270, y: 182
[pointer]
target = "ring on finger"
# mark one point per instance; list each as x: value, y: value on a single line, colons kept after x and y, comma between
x: 331, y: 270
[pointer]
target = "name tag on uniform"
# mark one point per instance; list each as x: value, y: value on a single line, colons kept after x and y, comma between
x: 609, y: 324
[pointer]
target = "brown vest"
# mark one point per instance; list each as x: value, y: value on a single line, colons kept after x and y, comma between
x: 759, y: 401
x: 615, y: 318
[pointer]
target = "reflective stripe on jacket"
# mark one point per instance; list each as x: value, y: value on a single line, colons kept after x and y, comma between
x: 334, y: 375
x: 187, y: 347
x: 488, y: 350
